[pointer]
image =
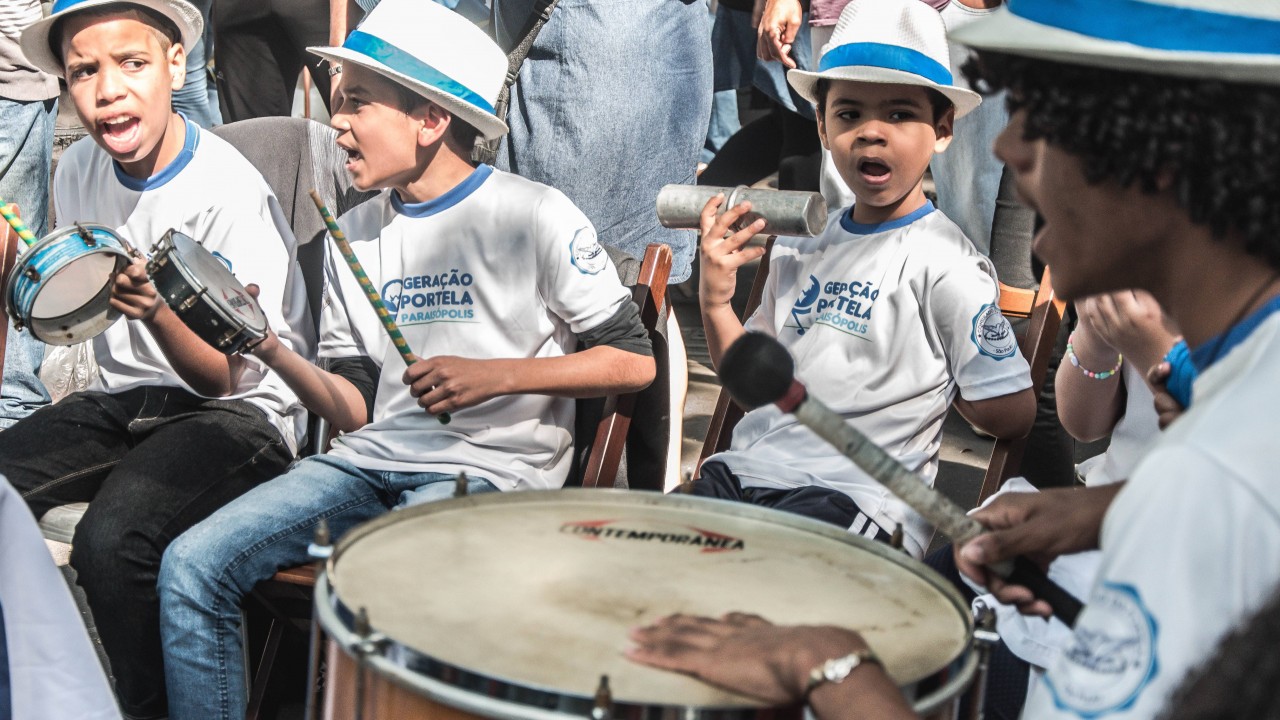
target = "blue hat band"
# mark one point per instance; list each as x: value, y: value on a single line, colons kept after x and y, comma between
x: 63, y: 5
x: 406, y: 64
x: 889, y: 57
x: 1157, y: 27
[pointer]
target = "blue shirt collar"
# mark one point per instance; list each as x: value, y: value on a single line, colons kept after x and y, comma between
x: 846, y: 221
x: 455, y: 195
x: 1217, y: 347
x: 171, y: 170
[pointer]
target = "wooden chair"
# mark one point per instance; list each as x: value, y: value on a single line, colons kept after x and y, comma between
x: 1043, y: 311
x: 287, y: 595
x: 1040, y: 307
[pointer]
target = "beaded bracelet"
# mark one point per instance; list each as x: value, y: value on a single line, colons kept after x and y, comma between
x: 1075, y: 362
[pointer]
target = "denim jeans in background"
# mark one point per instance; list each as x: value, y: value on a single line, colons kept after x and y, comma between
x: 154, y: 461
x: 208, y: 571
x: 26, y: 150
x: 724, y: 123
x: 198, y: 98
x: 733, y: 44
x: 612, y: 104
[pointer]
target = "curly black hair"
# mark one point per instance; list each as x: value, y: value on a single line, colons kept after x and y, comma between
x: 1218, y: 141
x: 1239, y: 680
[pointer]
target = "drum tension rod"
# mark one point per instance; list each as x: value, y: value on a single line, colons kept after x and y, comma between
x: 86, y: 236
x: 367, y: 643
x: 985, y: 638
x: 460, y: 485
x: 602, y: 709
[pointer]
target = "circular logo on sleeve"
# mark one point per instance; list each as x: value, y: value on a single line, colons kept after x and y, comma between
x: 1112, y: 656
x: 993, y: 334
x: 586, y: 253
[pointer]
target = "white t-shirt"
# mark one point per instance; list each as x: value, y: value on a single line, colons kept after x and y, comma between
x: 884, y: 323
x: 1191, y: 546
x: 211, y: 193
x: 498, y: 267
x: 1039, y: 641
x: 53, y: 671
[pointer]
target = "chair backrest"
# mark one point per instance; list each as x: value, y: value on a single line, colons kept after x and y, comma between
x: 1043, y: 311
x: 727, y: 413
x: 610, y: 439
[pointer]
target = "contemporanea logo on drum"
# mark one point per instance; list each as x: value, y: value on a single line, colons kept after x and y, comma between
x: 708, y: 541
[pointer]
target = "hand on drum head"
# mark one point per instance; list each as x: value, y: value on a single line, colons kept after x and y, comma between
x: 446, y: 384
x: 270, y: 343
x: 1040, y: 526
x: 133, y: 295
x: 745, y: 654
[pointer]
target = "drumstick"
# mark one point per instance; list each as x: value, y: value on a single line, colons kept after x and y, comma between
x: 757, y: 370
x: 16, y: 223
x: 370, y: 292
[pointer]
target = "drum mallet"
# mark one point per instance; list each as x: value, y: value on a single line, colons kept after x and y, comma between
x: 370, y: 292
x: 758, y: 370
x: 785, y: 212
x: 16, y: 223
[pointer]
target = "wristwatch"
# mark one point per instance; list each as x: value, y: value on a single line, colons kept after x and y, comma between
x: 837, y: 669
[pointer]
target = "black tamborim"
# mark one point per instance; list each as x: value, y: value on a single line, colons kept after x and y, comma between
x: 204, y: 294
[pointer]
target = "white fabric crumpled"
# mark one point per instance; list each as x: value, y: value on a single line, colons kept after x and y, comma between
x: 1034, y: 639
x: 68, y: 368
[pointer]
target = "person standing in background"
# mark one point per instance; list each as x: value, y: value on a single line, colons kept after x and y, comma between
x: 28, y: 108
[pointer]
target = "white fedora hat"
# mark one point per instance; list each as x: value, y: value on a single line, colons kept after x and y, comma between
x: 40, y: 52
x: 1235, y: 40
x: 902, y: 42
x: 434, y: 52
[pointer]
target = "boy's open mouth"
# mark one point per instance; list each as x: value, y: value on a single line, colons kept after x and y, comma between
x: 120, y: 133
x: 352, y: 155
x: 874, y: 172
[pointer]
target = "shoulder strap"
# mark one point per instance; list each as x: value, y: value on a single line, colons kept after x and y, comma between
x: 486, y: 151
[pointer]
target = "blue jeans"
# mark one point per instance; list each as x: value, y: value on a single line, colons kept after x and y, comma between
x: 207, y: 571
x: 198, y: 98
x: 612, y: 104
x: 26, y: 149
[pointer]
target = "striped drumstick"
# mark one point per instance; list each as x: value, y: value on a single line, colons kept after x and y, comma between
x: 16, y: 223
x: 370, y: 292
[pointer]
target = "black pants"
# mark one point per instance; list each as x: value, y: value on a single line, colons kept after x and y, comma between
x: 261, y: 48
x: 154, y: 461
x: 716, y: 480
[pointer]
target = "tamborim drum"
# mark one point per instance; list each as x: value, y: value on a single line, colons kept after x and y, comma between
x: 204, y: 293
x: 60, y: 288
x: 514, y: 605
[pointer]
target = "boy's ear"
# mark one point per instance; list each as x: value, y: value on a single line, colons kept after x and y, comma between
x: 822, y: 130
x: 176, y: 56
x: 435, y: 123
x: 944, y: 129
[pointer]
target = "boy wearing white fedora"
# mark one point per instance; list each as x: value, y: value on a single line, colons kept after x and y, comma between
x: 1144, y: 133
x: 493, y: 279
x: 890, y: 311
x: 171, y: 428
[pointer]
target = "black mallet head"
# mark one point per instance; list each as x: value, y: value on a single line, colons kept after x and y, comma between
x: 757, y: 370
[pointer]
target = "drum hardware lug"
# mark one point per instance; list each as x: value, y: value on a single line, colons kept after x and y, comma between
x: 190, y: 302
x: 602, y: 708
x: 985, y: 639
x: 227, y: 338
x: 86, y: 236
x: 895, y: 540
x: 686, y: 486
x: 460, y: 485
x: 321, y: 547
x: 367, y: 643
x: 17, y: 324
x: 32, y: 274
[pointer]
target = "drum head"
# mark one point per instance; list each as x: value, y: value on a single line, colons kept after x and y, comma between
x: 75, y: 285
x: 539, y: 589
x: 203, y: 270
